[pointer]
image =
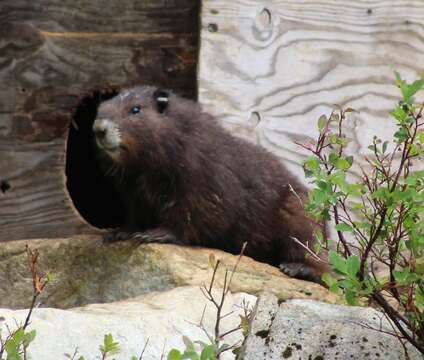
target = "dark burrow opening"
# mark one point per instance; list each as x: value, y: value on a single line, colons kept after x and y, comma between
x: 92, y: 193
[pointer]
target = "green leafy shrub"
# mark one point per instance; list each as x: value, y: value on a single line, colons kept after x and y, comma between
x: 379, y: 218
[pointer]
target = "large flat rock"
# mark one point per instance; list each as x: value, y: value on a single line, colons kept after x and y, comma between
x: 88, y: 271
x: 159, y: 318
x: 313, y: 330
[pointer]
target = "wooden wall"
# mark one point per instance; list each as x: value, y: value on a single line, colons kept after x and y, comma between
x: 269, y: 69
x: 52, y: 52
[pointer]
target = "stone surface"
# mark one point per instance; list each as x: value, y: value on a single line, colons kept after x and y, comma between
x: 161, y: 318
x: 89, y: 271
x: 308, y: 329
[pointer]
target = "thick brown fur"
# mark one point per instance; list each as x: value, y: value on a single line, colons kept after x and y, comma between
x: 185, y: 179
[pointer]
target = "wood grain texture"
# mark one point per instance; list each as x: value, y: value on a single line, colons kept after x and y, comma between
x: 269, y: 69
x: 53, y: 52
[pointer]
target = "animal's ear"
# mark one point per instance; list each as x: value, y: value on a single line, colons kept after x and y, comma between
x: 161, y: 99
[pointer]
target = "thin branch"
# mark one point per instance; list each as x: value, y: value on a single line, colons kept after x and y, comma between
x: 314, y: 255
x: 144, y: 349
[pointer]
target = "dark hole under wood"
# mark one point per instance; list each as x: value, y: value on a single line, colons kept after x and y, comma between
x: 91, y: 192
x: 4, y: 186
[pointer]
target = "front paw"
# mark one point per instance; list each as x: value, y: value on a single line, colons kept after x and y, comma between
x: 158, y: 235
x: 117, y: 235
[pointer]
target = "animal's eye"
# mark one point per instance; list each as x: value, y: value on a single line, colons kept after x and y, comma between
x: 135, y: 109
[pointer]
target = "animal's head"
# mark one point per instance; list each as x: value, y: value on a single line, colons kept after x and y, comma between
x: 143, y: 125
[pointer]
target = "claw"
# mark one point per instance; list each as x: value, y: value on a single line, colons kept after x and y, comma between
x: 116, y: 235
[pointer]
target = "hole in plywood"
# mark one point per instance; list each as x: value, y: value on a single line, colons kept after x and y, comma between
x: 92, y: 193
x: 212, y: 27
x: 264, y: 20
x: 254, y: 119
x: 5, y: 186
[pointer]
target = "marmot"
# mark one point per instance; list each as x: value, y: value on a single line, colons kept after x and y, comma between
x: 185, y: 180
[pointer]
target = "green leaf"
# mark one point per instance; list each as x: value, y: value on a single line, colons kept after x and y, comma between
x: 12, y: 351
x: 406, y: 277
x: 312, y: 163
x: 362, y: 224
x: 333, y: 157
x: 421, y: 137
x: 413, y: 150
x: 319, y: 196
x: 410, y: 90
x: 318, y: 233
x: 350, y: 296
x: 109, y: 346
x: 338, y: 262
x: 355, y: 189
x: 29, y: 337
x: 344, y: 227
x: 343, y: 164
x: 13, y: 345
x: 384, y: 147
x: 322, y: 122
x: 333, y: 139
x: 419, y: 298
x: 188, y: 343
x: 399, y: 114
x: 331, y: 282
x: 325, y: 186
x: 190, y: 354
x: 381, y: 193
x: 51, y: 277
x: 401, y: 135
x: 208, y: 353
x: 174, y: 355
x: 353, y: 264
x: 13, y: 356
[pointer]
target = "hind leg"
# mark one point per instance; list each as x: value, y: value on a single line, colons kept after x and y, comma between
x: 309, y: 270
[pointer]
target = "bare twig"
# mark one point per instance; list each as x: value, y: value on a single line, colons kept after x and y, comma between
x: 144, y: 349
x: 314, y: 255
x: 163, y: 350
x: 219, y: 303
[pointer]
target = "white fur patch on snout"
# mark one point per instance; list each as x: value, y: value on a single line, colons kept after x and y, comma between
x: 108, y: 136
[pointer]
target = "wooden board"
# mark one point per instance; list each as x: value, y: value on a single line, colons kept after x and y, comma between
x: 51, y: 53
x: 269, y: 69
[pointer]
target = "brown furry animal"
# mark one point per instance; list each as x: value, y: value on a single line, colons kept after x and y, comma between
x: 185, y: 180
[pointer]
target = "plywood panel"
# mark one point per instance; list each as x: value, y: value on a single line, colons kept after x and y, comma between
x: 269, y: 69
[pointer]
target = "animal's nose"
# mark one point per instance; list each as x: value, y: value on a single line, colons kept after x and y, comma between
x: 100, y: 128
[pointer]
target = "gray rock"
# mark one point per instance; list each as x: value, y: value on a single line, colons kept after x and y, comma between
x: 312, y: 330
x: 89, y: 271
x: 163, y: 318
